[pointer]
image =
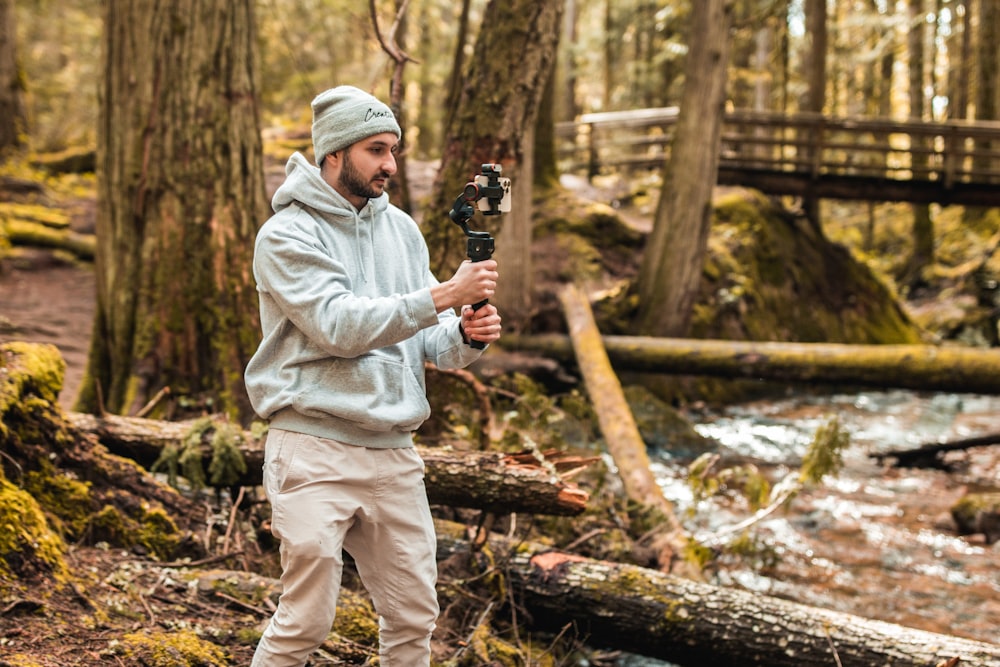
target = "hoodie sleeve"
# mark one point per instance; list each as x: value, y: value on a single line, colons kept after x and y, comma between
x: 443, y: 344
x: 312, y: 289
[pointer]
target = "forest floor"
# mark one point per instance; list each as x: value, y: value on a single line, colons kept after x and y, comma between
x: 44, y: 298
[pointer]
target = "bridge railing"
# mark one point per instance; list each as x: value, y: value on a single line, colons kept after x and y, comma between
x: 809, y: 145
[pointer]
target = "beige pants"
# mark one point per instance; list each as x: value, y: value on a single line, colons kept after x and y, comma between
x: 327, y: 497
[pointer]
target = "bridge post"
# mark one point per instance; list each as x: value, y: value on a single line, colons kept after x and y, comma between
x: 593, y: 163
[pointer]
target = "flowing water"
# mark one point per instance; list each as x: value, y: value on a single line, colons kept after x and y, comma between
x: 874, y: 540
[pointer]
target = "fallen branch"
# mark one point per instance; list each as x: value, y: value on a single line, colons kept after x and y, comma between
x: 928, y: 454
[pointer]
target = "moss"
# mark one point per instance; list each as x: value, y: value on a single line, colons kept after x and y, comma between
x: 33, y: 369
x: 153, y: 530
x: 226, y: 466
x: 66, y: 499
x: 356, y: 619
x: 20, y: 660
x: 28, y: 546
x: 178, y: 649
x: 968, y: 510
x: 488, y: 649
x: 34, y: 213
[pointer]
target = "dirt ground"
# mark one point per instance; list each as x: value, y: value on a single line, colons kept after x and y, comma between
x: 45, y: 300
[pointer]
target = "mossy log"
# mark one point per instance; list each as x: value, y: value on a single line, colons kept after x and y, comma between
x: 92, y: 493
x: 41, y: 235
x: 492, y: 481
x: 618, y: 426
x: 43, y: 215
x: 617, y: 423
x: 688, y: 622
x: 921, y: 367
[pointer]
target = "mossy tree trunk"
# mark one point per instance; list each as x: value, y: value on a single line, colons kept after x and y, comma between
x: 13, y: 125
x: 180, y: 196
x: 671, y: 267
x: 494, y: 121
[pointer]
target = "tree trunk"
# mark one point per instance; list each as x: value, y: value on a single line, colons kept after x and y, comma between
x: 14, y: 124
x: 566, y: 107
x: 180, y: 196
x: 922, y: 254
x: 494, y: 121
x: 671, y: 267
x: 692, y: 623
x: 491, y: 481
x: 814, y: 73
x: 922, y: 367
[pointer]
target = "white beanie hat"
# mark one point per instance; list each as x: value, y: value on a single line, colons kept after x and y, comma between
x: 344, y: 115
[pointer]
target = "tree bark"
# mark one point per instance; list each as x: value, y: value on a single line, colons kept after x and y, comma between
x: 494, y: 121
x: 180, y: 196
x: 922, y: 367
x: 814, y: 54
x: 672, y: 263
x: 491, y: 481
x: 693, y: 623
x: 14, y: 125
x: 922, y: 253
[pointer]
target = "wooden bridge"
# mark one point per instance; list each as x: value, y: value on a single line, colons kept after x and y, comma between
x: 808, y: 155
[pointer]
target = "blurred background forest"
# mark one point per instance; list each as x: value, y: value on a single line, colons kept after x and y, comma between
x: 878, y: 542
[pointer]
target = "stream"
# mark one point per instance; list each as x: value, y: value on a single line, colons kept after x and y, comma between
x: 873, y: 541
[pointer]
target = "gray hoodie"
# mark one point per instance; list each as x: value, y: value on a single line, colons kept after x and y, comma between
x: 347, y: 317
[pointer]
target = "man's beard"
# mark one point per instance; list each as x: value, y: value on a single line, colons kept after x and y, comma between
x: 355, y: 183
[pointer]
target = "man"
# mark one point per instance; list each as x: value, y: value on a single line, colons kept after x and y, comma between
x: 350, y: 312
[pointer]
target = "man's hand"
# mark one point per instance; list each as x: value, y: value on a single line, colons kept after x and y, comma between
x: 482, y: 325
x: 473, y: 282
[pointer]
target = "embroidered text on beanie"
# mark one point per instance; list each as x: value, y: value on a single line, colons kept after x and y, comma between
x: 344, y: 115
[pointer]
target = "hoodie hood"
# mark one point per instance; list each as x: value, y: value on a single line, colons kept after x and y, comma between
x: 305, y: 185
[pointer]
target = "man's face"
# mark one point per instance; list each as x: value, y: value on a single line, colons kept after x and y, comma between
x: 361, y: 171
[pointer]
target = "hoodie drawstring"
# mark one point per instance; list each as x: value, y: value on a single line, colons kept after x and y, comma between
x: 357, y: 238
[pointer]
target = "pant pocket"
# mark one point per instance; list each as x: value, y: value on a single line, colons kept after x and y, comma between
x: 279, y: 450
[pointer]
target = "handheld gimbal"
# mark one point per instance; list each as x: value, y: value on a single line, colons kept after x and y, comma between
x: 492, y: 194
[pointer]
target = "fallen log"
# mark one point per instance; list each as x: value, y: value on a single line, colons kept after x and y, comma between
x: 621, y: 435
x: 39, y: 235
x: 109, y: 498
x: 492, y: 481
x: 928, y: 455
x: 924, y: 367
x: 615, y: 418
x: 688, y: 622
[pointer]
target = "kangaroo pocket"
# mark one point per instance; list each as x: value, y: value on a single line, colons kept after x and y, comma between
x: 373, y: 392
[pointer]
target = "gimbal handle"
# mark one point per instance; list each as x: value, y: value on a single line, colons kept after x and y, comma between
x: 480, y: 245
